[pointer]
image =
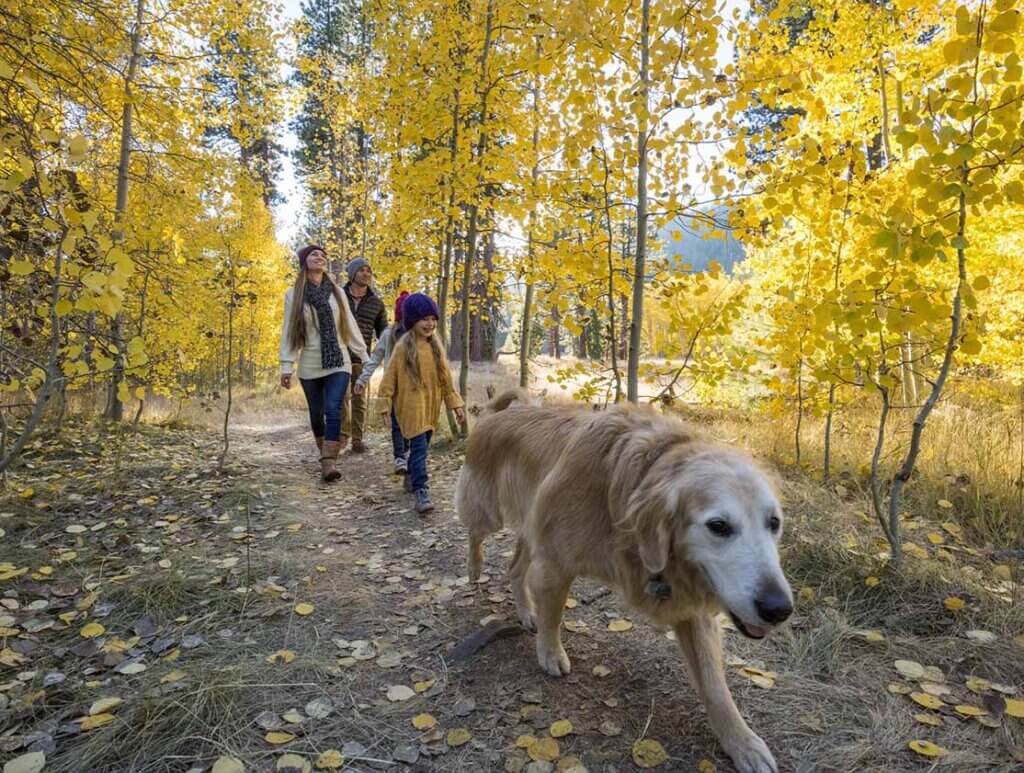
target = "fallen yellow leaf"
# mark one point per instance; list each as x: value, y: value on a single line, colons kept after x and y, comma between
x: 544, y: 750
x: 104, y: 705
x: 561, y: 728
x: 620, y: 626
x: 966, y: 710
x: 304, y: 609
x: 227, y: 764
x: 91, y: 630
x: 926, y: 700
x: 649, y: 753
x: 281, y: 656
x: 928, y: 749
x: 954, y: 603
x: 331, y: 759
x: 929, y: 719
x: 458, y: 737
x: 1015, y: 708
x: 96, y: 720
x: 424, y: 721
x: 277, y: 737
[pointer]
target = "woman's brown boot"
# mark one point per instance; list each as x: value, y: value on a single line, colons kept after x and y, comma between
x: 328, y: 459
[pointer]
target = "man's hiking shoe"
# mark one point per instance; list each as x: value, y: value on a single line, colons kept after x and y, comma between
x: 401, y: 465
x: 423, y: 503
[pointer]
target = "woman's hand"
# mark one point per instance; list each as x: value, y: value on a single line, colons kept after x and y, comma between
x: 460, y: 414
x: 386, y: 415
x: 286, y: 380
x: 358, y: 389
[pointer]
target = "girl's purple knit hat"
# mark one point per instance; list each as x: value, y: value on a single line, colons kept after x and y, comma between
x: 416, y: 307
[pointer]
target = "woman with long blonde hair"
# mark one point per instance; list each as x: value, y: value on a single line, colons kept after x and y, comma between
x: 416, y: 382
x: 316, y: 335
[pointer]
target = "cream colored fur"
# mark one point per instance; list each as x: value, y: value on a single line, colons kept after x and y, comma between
x: 623, y: 496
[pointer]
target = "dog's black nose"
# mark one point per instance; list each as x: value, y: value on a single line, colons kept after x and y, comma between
x: 773, y: 605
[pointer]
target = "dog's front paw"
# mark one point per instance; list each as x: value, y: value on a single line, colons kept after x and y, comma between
x: 526, y: 618
x: 751, y: 755
x: 554, y: 662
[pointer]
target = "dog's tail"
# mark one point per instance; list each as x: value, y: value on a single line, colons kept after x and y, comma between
x: 507, y: 398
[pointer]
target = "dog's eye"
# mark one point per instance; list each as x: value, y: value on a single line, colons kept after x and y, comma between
x: 774, y: 524
x: 719, y: 527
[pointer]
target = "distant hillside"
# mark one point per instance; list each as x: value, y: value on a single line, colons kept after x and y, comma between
x: 693, y: 249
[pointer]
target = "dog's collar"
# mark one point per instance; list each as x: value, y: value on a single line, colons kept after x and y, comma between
x: 657, y: 588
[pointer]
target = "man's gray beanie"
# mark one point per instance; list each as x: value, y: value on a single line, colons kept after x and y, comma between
x: 354, y: 266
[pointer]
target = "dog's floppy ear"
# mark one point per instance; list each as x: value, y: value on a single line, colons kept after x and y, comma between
x: 648, y: 517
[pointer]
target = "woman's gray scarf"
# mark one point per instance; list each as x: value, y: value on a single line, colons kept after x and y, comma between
x: 319, y: 297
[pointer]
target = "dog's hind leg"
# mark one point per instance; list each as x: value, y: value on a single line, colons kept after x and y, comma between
x: 549, y: 588
x: 701, y: 642
x: 517, y: 579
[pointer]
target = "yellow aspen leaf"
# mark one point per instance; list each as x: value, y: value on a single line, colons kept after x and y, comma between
x: 897, y: 688
x: 1019, y: 639
x: 929, y: 719
x: 525, y: 741
x: 544, y: 750
x: 281, y: 656
x: 926, y: 700
x: 945, y: 504
x: 77, y: 145
x: 954, y: 603
x: 1002, y: 572
x: 91, y: 630
x: 423, y: 686
x: 227, y: 764
x: 458, y: 737
x: 424, y: 721
x: 966, y: 710
x: 871, y: 581
x: 104, y: 705
x: 648, y: 753
x: 278, y: 737
x: 304, y: 609
x: 331, y: 759
x: 706, y: 766
x: 928, y: 749
x: 96, y: 720
x: 1014, y: 708
x: 763, y: 679
x: 620, y: 626
x: 935, y: 538
x: 561, y: 728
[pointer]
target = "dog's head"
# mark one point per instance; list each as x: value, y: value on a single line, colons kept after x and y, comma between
x: 712, y: 509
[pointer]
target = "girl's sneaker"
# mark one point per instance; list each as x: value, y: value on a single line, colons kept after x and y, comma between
x: 401, y: 465
x: 423, y: 503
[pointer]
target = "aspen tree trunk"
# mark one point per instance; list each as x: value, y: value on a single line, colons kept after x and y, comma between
x: 115, y: 408
x: 524, y: 337
x: 474, y: 208
x: 636, y: 324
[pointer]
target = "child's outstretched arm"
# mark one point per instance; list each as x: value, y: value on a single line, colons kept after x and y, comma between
x: 388, y: 387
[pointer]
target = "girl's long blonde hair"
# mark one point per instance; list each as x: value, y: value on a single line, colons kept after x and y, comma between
x: 297, y: 323
x: 406, y: 349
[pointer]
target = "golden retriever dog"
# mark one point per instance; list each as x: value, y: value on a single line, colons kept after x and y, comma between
x: 683, y: 528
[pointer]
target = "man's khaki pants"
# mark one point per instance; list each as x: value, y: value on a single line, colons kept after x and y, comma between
x: 354, y: 408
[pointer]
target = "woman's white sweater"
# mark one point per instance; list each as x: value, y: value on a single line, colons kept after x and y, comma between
x: 310, y: 364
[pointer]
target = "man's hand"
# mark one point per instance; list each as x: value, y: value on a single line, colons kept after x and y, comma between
x: 386, y: 415
x: 286, y: 380
x: 460, y: 415
x: 358, y: 389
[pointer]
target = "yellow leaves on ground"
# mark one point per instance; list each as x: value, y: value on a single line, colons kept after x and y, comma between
x: 945, y: 504
x: 1015, y: 708
x: 928, y: 749
x: 544, y: 750
x: 620, y: 626
x: 104, y: 705
x: 399, y: 693
x: 871, y: 581
x: 227, y: 764
x: 96, y: 720
x: 278, y: 737
x: 304, y: 609
x: 926, y: 700
x: 458, y: 737
x: 763, y: 679
x: 649, y: 753
x: 929, y: 719
x: 331, y: 759
x: 910, y: 669
x: 954, y: 603
x: 966, y: 710
x: 561, y: 728
x: 281, y: 657
x: 91, y: 631
x: 424, y: 721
